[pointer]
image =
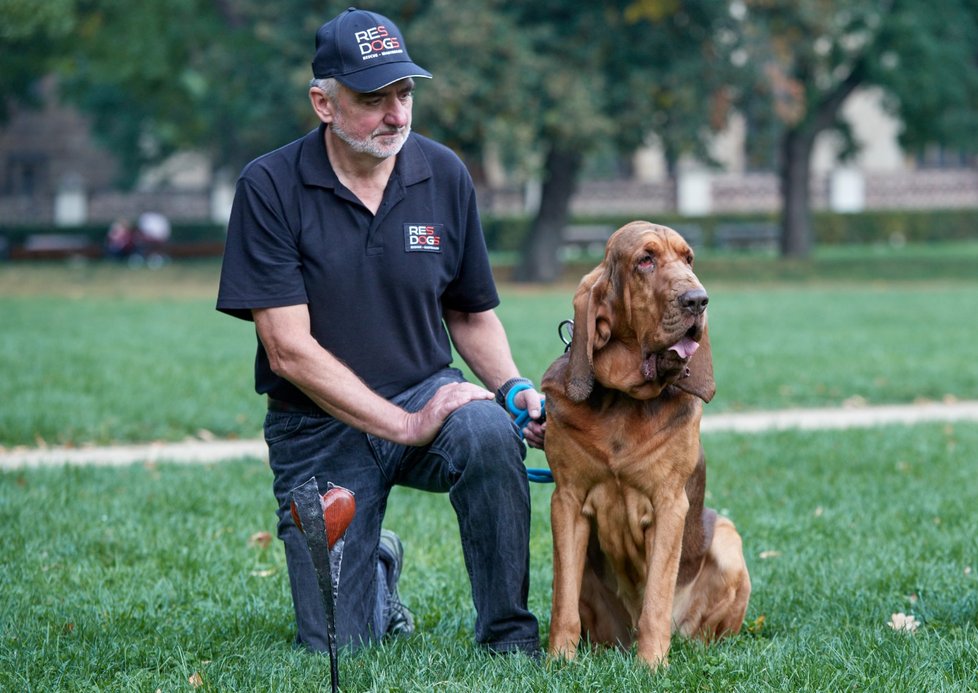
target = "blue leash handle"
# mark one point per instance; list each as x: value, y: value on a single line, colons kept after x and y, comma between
x: 521, y: 419
x: 539, y: 475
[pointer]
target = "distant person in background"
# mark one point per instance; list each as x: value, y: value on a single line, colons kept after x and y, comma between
x: 154, y: 232
x: 120, y: 241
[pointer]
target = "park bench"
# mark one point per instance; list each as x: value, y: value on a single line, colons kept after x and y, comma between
x: 192, y: 249
x: 56, y: 246
x: 591, y: 238
x: 48, y: 246
x: 746, y: 236
x: 585, y: 238
x: 691, y: 233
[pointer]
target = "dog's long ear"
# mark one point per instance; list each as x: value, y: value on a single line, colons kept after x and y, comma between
x: 589, y: 335
x: 700, y: 381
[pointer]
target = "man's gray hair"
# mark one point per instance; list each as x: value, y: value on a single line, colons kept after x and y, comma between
x: 328, y: 85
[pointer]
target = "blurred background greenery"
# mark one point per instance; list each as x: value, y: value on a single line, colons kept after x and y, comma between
x: 552, y: 92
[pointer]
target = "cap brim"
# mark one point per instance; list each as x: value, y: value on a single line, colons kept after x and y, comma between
x: 380, y: 76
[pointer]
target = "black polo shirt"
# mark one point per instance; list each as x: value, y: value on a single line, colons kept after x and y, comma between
x: 376, y: 286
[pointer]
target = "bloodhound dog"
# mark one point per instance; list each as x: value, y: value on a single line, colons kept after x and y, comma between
x: 636, y: 554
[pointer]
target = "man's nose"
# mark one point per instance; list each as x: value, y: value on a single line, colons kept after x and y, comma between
x: 398, y: 114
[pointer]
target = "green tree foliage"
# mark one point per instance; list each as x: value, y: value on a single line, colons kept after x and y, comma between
x: 800, y: 60
x: 31, y: 34
x: 483, y: 90
x: 617, y: 72
x: 543, y: 84
x: 222, y: 77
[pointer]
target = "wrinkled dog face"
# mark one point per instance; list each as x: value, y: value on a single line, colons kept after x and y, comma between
x: 665, y: 302
x: 640, y: 317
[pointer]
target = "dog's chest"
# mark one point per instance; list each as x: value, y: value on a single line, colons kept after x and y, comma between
x: 645, y: 445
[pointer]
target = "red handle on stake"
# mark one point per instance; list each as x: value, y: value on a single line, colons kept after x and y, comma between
x: 339, y: 507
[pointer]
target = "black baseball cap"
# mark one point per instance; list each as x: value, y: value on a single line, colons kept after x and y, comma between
x: 365, y: 51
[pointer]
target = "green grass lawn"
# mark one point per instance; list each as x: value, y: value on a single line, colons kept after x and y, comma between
x: 137, y: 578
x: 100, y: 353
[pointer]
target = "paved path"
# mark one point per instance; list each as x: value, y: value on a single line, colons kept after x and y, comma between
x: 216, y: 451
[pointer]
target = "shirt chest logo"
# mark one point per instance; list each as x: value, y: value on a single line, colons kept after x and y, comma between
x: 422, y: 238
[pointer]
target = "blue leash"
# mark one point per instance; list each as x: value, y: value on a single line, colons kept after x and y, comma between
x: 522, y: 418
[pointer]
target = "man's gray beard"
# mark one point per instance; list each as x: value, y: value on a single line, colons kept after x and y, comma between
x: 369, y: 145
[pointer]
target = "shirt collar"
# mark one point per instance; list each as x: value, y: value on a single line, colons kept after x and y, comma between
x: 412, y: 165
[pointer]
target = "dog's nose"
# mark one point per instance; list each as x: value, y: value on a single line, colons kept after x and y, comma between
x: 694, y: 301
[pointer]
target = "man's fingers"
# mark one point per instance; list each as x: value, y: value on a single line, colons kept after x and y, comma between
x: 426, y: 422
x: 534, y: 434
x: 529, y: 400
x: 455, y: 395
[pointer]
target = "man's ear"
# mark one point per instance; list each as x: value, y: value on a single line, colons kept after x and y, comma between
x: 700, y: 381
x: 321, y: 104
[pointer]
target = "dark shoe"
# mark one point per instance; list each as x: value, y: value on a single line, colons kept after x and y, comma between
x: 400, y: 621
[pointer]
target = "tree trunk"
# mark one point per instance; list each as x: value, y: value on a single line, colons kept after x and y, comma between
x: 795, y: 179
x: 797, y: 145
x: 540, y: 260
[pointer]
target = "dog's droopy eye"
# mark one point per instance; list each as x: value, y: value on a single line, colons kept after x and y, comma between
x: 647, y: 262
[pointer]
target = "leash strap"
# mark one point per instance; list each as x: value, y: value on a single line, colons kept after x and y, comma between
x: 521, y: 419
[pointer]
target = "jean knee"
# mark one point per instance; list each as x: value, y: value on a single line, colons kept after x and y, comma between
x: 482, y: 433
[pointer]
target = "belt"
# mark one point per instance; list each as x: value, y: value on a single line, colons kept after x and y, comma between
x: 292, y: 408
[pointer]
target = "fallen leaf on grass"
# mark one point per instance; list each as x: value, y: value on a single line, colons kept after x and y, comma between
x: 195, y: 680
x: 263, y: 572
x: 260, y: 539
x: 756, y: 626
x: 764, y: 555
x: 904, y: 622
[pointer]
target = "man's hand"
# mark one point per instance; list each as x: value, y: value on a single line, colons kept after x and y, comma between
x: 535, y: 431
x: 422, y: 426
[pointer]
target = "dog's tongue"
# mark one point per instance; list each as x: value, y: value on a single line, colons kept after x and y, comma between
x: 685, y: 347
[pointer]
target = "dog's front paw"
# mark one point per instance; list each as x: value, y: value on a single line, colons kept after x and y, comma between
x: 563, y: 647
x: 654, y: 652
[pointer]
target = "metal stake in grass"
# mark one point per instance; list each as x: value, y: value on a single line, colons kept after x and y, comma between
x: 323, y: 520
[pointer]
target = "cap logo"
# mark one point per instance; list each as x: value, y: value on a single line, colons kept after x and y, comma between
x: 376, y: 42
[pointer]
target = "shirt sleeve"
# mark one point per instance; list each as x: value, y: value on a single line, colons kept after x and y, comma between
x: 261, y: 267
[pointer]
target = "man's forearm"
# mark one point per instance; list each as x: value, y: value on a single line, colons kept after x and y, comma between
x: 296, y: 356
x: 480, y: 340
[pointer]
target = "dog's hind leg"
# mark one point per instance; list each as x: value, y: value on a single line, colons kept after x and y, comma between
x: 714, y: 603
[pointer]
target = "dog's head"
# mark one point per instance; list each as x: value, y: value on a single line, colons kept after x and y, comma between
x: 640, y: 319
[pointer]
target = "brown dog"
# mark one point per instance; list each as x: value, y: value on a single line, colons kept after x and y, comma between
x: 636, y: 555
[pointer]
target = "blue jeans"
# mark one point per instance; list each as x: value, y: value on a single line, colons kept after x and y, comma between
x: 477, y: 458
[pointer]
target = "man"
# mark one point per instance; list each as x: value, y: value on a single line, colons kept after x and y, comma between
x: 357, y: 251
